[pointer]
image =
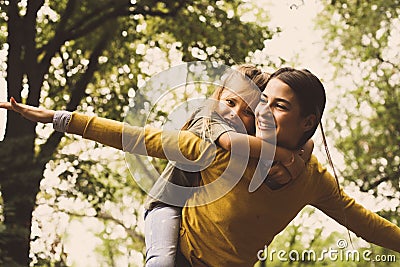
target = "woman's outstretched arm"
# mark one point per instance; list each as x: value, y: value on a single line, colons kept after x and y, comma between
x: 364, y: 223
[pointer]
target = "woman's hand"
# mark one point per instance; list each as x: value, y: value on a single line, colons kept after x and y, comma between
x: 29, y: 112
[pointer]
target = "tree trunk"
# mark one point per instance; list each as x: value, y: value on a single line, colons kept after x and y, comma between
x: 20, y: 176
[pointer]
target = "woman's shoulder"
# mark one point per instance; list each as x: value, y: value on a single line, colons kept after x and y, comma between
x: 319, y: 175
x: 314, y: 166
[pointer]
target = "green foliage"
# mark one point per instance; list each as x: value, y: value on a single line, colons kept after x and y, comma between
x: 362, y: 37
x: 92, y: 56
x: 188, y: 30
x: 90, y: 187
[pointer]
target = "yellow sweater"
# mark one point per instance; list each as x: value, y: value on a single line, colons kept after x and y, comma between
x: 232, y: 229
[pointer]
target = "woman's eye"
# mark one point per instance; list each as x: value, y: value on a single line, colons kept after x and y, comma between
x: 281, y: 107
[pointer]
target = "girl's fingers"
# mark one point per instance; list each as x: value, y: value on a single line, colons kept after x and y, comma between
x: 279, y: 175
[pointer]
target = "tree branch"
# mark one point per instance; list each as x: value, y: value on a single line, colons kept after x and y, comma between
x: 131, y: 232
x: 78, y: 92
x: 48, y: 149
x: 104, y: 216
x: 94, y: 20
x: 373, y: 186
x: 58, y: 40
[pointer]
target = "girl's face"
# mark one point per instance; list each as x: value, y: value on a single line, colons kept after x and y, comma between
x: 279, y: 111
x: 236, y: 111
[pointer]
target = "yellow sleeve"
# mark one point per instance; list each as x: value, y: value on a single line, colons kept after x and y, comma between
x: 181, y: 146
x: 104, y: 131
x: 345, y: 210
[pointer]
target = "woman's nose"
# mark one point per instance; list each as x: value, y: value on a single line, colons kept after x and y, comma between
x: 266, y: 111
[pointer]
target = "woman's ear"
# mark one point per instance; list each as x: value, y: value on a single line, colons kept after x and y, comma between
x: 309, y: 122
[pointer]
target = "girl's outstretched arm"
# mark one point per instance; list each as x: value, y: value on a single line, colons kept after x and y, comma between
x: 29, y: 112
x: 137, y: 140
x: 290, y: 163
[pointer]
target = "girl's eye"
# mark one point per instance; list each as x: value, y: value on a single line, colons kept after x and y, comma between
x: 230, y: 102
x: 263, y: 100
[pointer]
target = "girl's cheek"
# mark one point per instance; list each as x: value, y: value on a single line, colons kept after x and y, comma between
x: 251, y: 122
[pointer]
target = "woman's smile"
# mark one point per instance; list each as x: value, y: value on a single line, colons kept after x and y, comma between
x: 278, y: 112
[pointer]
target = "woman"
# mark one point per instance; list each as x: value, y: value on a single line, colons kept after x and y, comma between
x: 232, y: 229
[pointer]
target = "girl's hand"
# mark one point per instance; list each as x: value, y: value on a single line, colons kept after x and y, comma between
x: 279, y: 174
x: 282, y: 173
x: 29, y: 112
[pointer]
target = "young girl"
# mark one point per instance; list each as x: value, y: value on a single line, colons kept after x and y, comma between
x: 228, y: 121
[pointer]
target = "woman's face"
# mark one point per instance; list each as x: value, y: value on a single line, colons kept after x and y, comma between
x: 279, y: 111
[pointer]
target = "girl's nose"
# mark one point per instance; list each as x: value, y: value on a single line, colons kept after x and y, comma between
x: 235, y: 111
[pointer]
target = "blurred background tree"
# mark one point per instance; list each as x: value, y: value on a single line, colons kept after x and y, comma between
x: 92, y: 56
x: 362, y: 39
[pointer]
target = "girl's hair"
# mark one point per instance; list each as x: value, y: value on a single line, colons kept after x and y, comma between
x: 255, y: 81
x: 247, y: 71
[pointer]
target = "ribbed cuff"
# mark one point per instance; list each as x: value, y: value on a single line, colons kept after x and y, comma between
x: 60, y: 120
